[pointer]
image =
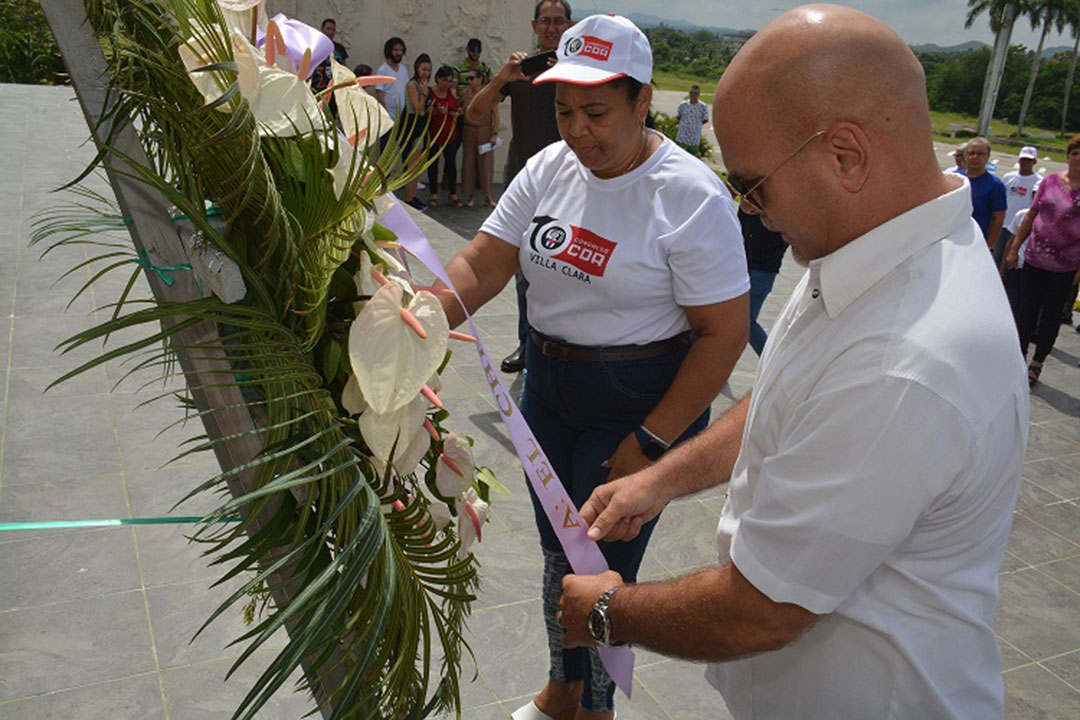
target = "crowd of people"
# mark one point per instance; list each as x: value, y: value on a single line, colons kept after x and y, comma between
x: 874, y: 466
x: 432, y: 105
x: 1040, y: 277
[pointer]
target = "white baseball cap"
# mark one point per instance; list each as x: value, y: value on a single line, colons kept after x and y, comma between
x: 601, y: 48
x: 1029, y: 152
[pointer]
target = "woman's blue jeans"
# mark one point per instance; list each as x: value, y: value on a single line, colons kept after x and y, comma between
x: 580, y: 412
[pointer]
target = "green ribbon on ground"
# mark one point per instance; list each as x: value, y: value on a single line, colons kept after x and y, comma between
x: 112, y: 522
x: 163, y: 272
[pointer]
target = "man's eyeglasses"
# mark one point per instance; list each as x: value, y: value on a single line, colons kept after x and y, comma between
x: 557, y: 22
x: 742, y: 191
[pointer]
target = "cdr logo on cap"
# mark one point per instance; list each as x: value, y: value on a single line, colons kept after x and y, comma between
x: 589, y: 46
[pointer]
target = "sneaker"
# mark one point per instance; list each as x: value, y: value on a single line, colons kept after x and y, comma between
x: 416, y: 205
x: 420, y: 185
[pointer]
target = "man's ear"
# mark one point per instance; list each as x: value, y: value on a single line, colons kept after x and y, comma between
x: 849, y: 147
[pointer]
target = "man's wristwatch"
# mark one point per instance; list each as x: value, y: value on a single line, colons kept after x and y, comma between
x: 651, y: 446
x: 599, y: 620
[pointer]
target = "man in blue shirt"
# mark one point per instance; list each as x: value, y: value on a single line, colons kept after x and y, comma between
x: 988, y: 196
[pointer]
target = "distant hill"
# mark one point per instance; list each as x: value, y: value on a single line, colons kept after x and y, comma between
x: 645, y: 20
x: 962, y: 48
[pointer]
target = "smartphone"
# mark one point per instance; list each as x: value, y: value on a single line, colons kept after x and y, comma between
x: 536, y: 64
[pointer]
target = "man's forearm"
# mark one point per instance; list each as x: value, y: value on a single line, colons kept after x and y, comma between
x: 484, y: 101
x: 711, y: 615
x: 705, y: 461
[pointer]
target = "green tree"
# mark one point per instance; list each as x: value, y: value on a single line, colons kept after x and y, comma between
x: 1050, y: 13
x: 1003, y: 14
x: 1074, y: 26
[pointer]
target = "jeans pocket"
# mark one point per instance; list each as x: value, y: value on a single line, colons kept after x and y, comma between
x: 645, y: 379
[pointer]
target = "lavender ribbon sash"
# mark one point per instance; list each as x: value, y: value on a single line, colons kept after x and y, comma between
x: 583, y: 554
x: 299, y: 37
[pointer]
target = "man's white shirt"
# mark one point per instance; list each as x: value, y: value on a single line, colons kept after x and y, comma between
x: 878, y: 471
x: 394, y: 93
x: 1019, y: 192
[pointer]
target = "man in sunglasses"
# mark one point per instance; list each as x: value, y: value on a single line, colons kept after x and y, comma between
x: 532, y: 124
x: 871, y: 494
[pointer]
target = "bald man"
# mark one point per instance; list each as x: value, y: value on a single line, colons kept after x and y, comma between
x: 874, y: 466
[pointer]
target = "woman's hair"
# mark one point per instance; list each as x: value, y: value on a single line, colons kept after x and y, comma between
x: 630, y: 86
x: 1073, y: 144
x: 420, y: 60
x: 444, y: 71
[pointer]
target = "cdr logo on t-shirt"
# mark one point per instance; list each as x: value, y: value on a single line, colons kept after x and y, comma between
x: 570, y: 244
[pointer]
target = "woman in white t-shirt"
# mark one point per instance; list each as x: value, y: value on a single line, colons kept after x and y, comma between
x: 637, y: 296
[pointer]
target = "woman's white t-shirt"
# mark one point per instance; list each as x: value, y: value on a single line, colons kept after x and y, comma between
x: 615, y: 261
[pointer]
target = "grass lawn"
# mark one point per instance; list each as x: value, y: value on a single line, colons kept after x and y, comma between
x: 1046, y: 140
x: 671, y: 81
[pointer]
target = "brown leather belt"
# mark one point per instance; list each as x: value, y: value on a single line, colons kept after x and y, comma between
x: 549, y: 347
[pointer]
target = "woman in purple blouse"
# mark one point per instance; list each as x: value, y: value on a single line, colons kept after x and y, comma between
x: 1051, y: 260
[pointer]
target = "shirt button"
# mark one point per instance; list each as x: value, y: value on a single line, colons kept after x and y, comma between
x: 815, y: 293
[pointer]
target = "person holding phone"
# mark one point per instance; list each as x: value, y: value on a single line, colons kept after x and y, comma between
x: 638, y: 303
x: 532, y: 122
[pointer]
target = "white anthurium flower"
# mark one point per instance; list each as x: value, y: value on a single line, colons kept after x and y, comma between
x: 351, y: 397
x: 196, y: 53
x: 238, y: 13
x: 455, y: 469
x: 440, y: 514
x: 395, y: 347
x: 435, y: 382
x: 472, y: 514
x: 366, y: 284
x: 405, y: 426
x: 363, y: 118
x: 282, y: 102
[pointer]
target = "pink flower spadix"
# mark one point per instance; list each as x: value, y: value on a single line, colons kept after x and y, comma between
x: 435, y: 290
x: 455, y: 335
x: 470, y: 510
x: 454, y: 469
x: 391, y: 361
x: 409, y: 319
x: 432, y: 397
x: 431, y: 430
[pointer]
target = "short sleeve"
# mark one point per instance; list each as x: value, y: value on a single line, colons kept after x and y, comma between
x: 998, y: 198
x: 512, y: 216
x: 857, y: 465
x: 706, y: 255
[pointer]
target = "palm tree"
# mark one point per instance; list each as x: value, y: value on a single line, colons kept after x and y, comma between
x: 1051, y: 13
x: 1003, y: 14
x: 1074, y: 25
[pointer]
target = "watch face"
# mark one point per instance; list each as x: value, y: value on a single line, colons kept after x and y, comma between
x: 596, y: 625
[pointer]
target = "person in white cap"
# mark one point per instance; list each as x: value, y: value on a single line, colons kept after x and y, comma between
x: 1019, y: 190
x: 638, y: 300
x: 875, y: 465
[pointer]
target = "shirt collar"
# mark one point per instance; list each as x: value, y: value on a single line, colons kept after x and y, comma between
x: 849, y: 272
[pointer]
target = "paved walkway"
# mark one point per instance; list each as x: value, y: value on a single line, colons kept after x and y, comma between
x: 96, y: 623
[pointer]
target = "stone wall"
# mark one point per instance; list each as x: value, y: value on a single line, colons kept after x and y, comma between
x: 439, y: 28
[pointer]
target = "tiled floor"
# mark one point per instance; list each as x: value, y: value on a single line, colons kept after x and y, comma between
x: 96, y: 623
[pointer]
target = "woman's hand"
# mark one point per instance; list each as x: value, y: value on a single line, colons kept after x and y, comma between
x: 1012, y: 258
x: 627, y: 460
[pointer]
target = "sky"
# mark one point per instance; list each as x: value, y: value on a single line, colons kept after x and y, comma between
x: 916, y: 21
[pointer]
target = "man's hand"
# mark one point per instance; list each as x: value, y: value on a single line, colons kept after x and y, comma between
x: 579, y: 595
x: 511, y: 69
x: 627, y: 460
x: 618, y: 509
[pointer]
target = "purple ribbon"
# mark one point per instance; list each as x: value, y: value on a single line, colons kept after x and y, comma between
x: 584, y: 554
x: 299, y: 37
